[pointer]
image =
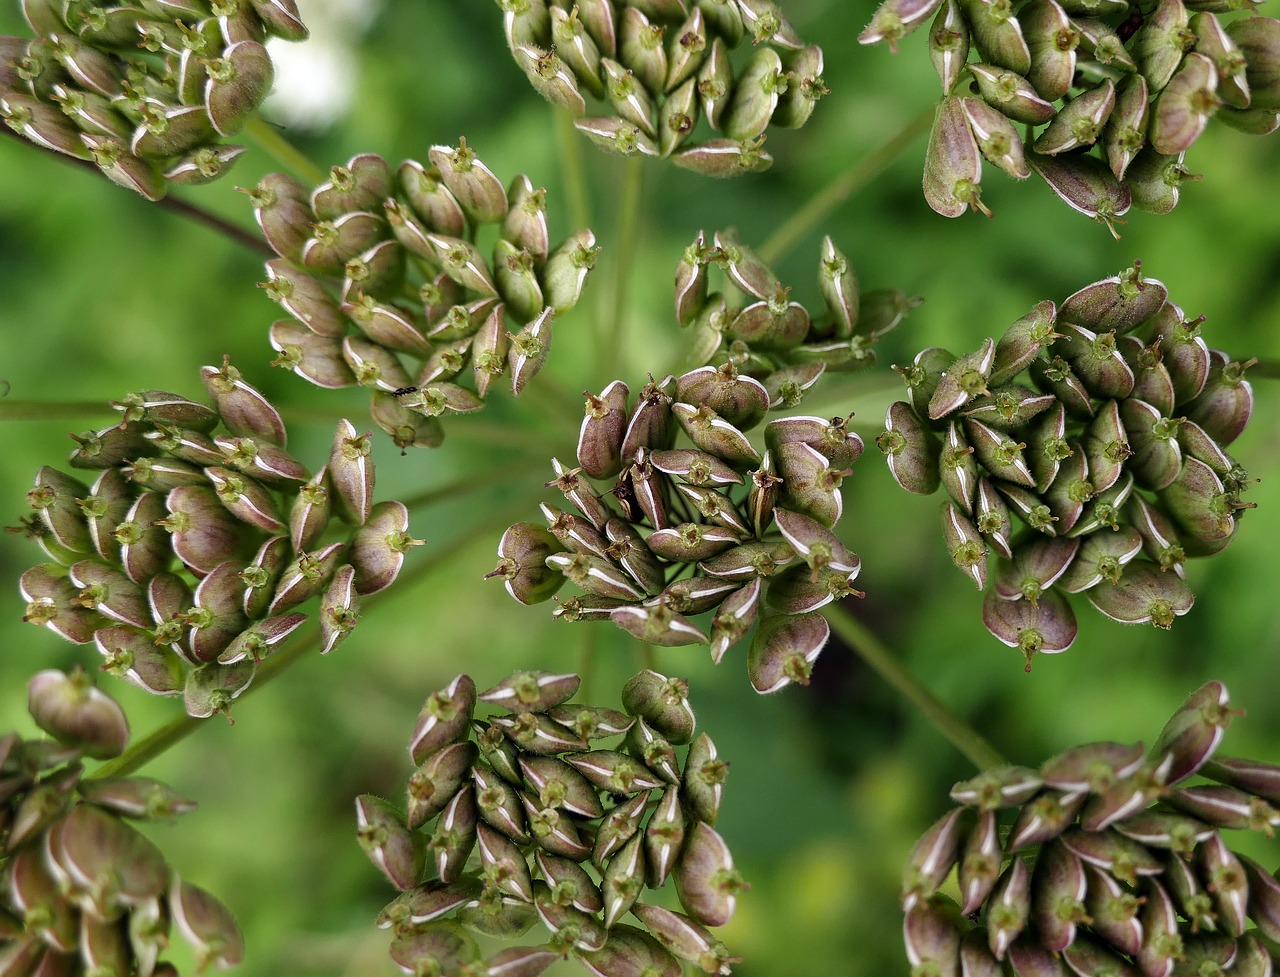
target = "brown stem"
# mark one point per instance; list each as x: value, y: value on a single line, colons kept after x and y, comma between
x: 181, y: 207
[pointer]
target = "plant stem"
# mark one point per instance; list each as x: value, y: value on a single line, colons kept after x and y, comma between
x: 53, y: 410
x: 1265, y: 370
x: 268, y: 138
x: 611, y: 335
x: 870, y: 649
x: 475, y: 482
x: 181, y: 207
x: 228, y: 230
x: 572, y: 175
x: 587, y: 661
x: 173, y: 732
x: 843, y: 187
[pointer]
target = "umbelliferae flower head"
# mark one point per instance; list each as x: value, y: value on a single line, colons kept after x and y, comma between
x: 1102, y: 427
x: 185, y: 558
x: 531, y: 815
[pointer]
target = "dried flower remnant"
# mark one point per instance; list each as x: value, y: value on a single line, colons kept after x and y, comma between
x: 1112, y: 95
x: 146, y: 92
x: 186, y: 557
x: 1101, y: 426
x: 529, y: 816
x: 1108, y: 859
x: 84, y: 891
x: 387, y: 291
x: 641, y: 77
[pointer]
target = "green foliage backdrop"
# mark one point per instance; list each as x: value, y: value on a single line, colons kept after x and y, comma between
x: 830, y: 785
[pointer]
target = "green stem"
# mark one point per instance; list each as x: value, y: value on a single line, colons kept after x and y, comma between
x: 587, y: 661
x: 870, y: 649
x: 268, y: 139
x: 1265, y: 370
x: 572, y: 175
x: 475, y: 482
x: 843, y: 187
x: 610, y: 335
x: 173, y: 732
x: 53, y: 410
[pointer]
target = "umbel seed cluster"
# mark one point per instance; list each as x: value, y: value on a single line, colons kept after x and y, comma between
x: 387, y: 289
x: 1107, y: 860
x: 149, y: 91
x: 641, y: 74
x: 186, y: 557
x: 526, y: 816
x: 1101, y: 427
x: 1112, y: 93
x: 82, y: 891
x: 721, y: 527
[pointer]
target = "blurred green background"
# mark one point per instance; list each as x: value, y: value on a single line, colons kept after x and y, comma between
x: 831, y: 784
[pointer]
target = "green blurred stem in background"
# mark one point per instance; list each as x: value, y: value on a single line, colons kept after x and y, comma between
x: 52, y: 410
x: 266, y: 137
x: 1265, y: 370
x: 572, y: 175
x: 956, y: 732
x: 175, y: 731
x: 613, y: 326
x: 843, y: 187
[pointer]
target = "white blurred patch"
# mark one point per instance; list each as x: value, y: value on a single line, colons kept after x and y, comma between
x: 315, y: 80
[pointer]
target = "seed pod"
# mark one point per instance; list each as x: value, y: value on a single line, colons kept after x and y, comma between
x: 979, y: 866
x: 997, y: 787
x: 1047, y: 626
x: 895, y: 19
x: 1080, y: 123
x: 949, y: 43
x: 1143, y: 594
x: 997, y: 137
x: 434, y: 945
x: 1259, y: 43
x: 630, y: 952
x: 662, y: 702
x: 957, y: 469
x: 503, y: 866
x: 498, y: 804
x: 550, y: 76
x: 1052, y: 42
x: 931, y: 937
x: 706, y: 881
x: 964, y: 544
x: 538, y: 734
x: 1193, y: 733
x: 1126, y: 131
x: 734, y: 618
x: 388, y: 843
x: 1011, y: 93
x: 1225, y: 403
x: 784, y: 650
x: 531, y: 691
x: 934, y: 856
x: 243, y: 410
x: 72, y: 710
x: 756, y: 93
x: 617, y: 828
x: 1058, y: 887
x: 1085, y: 184
x: 911, y: 450
x: 1181, y: 111
x: 953, y: 165
x: 1226, y: 807
x: 997, y: 34
x: 1161, y: 941
x: 1259, y: 779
